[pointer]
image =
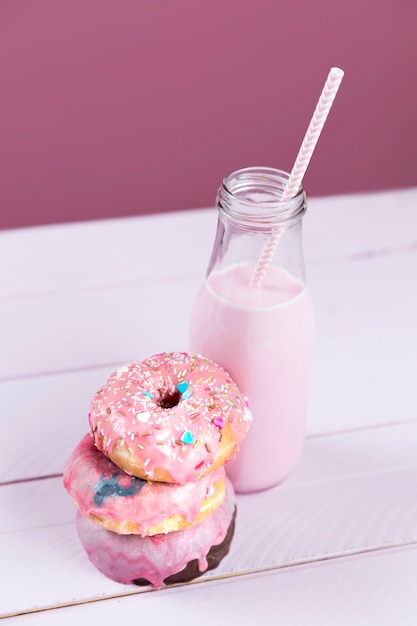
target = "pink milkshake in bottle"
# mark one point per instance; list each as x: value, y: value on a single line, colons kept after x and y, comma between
x: 260, y: 331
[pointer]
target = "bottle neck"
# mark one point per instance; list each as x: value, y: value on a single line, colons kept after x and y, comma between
x: 250, y: 198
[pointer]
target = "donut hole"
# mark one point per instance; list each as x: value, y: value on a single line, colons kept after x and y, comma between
x: 169, y: 399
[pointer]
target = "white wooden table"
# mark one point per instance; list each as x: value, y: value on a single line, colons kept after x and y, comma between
x: 337, y: 542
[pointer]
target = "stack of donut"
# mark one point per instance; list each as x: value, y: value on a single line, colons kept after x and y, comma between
x: 154, y: 504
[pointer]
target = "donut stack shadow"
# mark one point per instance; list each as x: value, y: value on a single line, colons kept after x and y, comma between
x: 154, y: 505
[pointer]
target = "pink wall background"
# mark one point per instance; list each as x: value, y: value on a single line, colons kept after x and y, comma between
x: 121, y: 107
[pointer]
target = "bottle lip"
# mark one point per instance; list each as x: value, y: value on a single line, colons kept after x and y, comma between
x: 252, y: 195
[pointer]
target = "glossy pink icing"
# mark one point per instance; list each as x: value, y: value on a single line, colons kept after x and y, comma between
x: 184, y: 439
x: 124, y: 558
x: 100, y: 488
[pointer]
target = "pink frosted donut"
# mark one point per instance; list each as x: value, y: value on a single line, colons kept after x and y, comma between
x: 161, y: 559
x: 172, y: 417
x: 125, y: 504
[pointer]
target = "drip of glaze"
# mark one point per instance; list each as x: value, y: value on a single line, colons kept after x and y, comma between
x: 192, y: 569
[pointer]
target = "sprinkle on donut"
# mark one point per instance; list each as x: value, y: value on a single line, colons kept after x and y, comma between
x: 171, y: 417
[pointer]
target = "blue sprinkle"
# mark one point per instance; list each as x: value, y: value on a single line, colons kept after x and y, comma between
x: 187, y: 437
x: 182, y: 387
x: 187, y: 394
x: 148, y: 394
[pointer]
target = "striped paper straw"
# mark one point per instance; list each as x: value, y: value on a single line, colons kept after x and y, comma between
x: 300, y: 166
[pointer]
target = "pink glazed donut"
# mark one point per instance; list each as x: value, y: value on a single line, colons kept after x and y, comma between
x: 125, y: 504
x: 172, y: 417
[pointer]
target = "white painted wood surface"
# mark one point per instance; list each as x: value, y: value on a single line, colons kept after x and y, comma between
x: 337, y: 542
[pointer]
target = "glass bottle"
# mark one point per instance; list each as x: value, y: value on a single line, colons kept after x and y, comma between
x: 254, y: 317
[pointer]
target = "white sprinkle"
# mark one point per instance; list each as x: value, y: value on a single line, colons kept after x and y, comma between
x: 144, y: 417
x: 247, y: 415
